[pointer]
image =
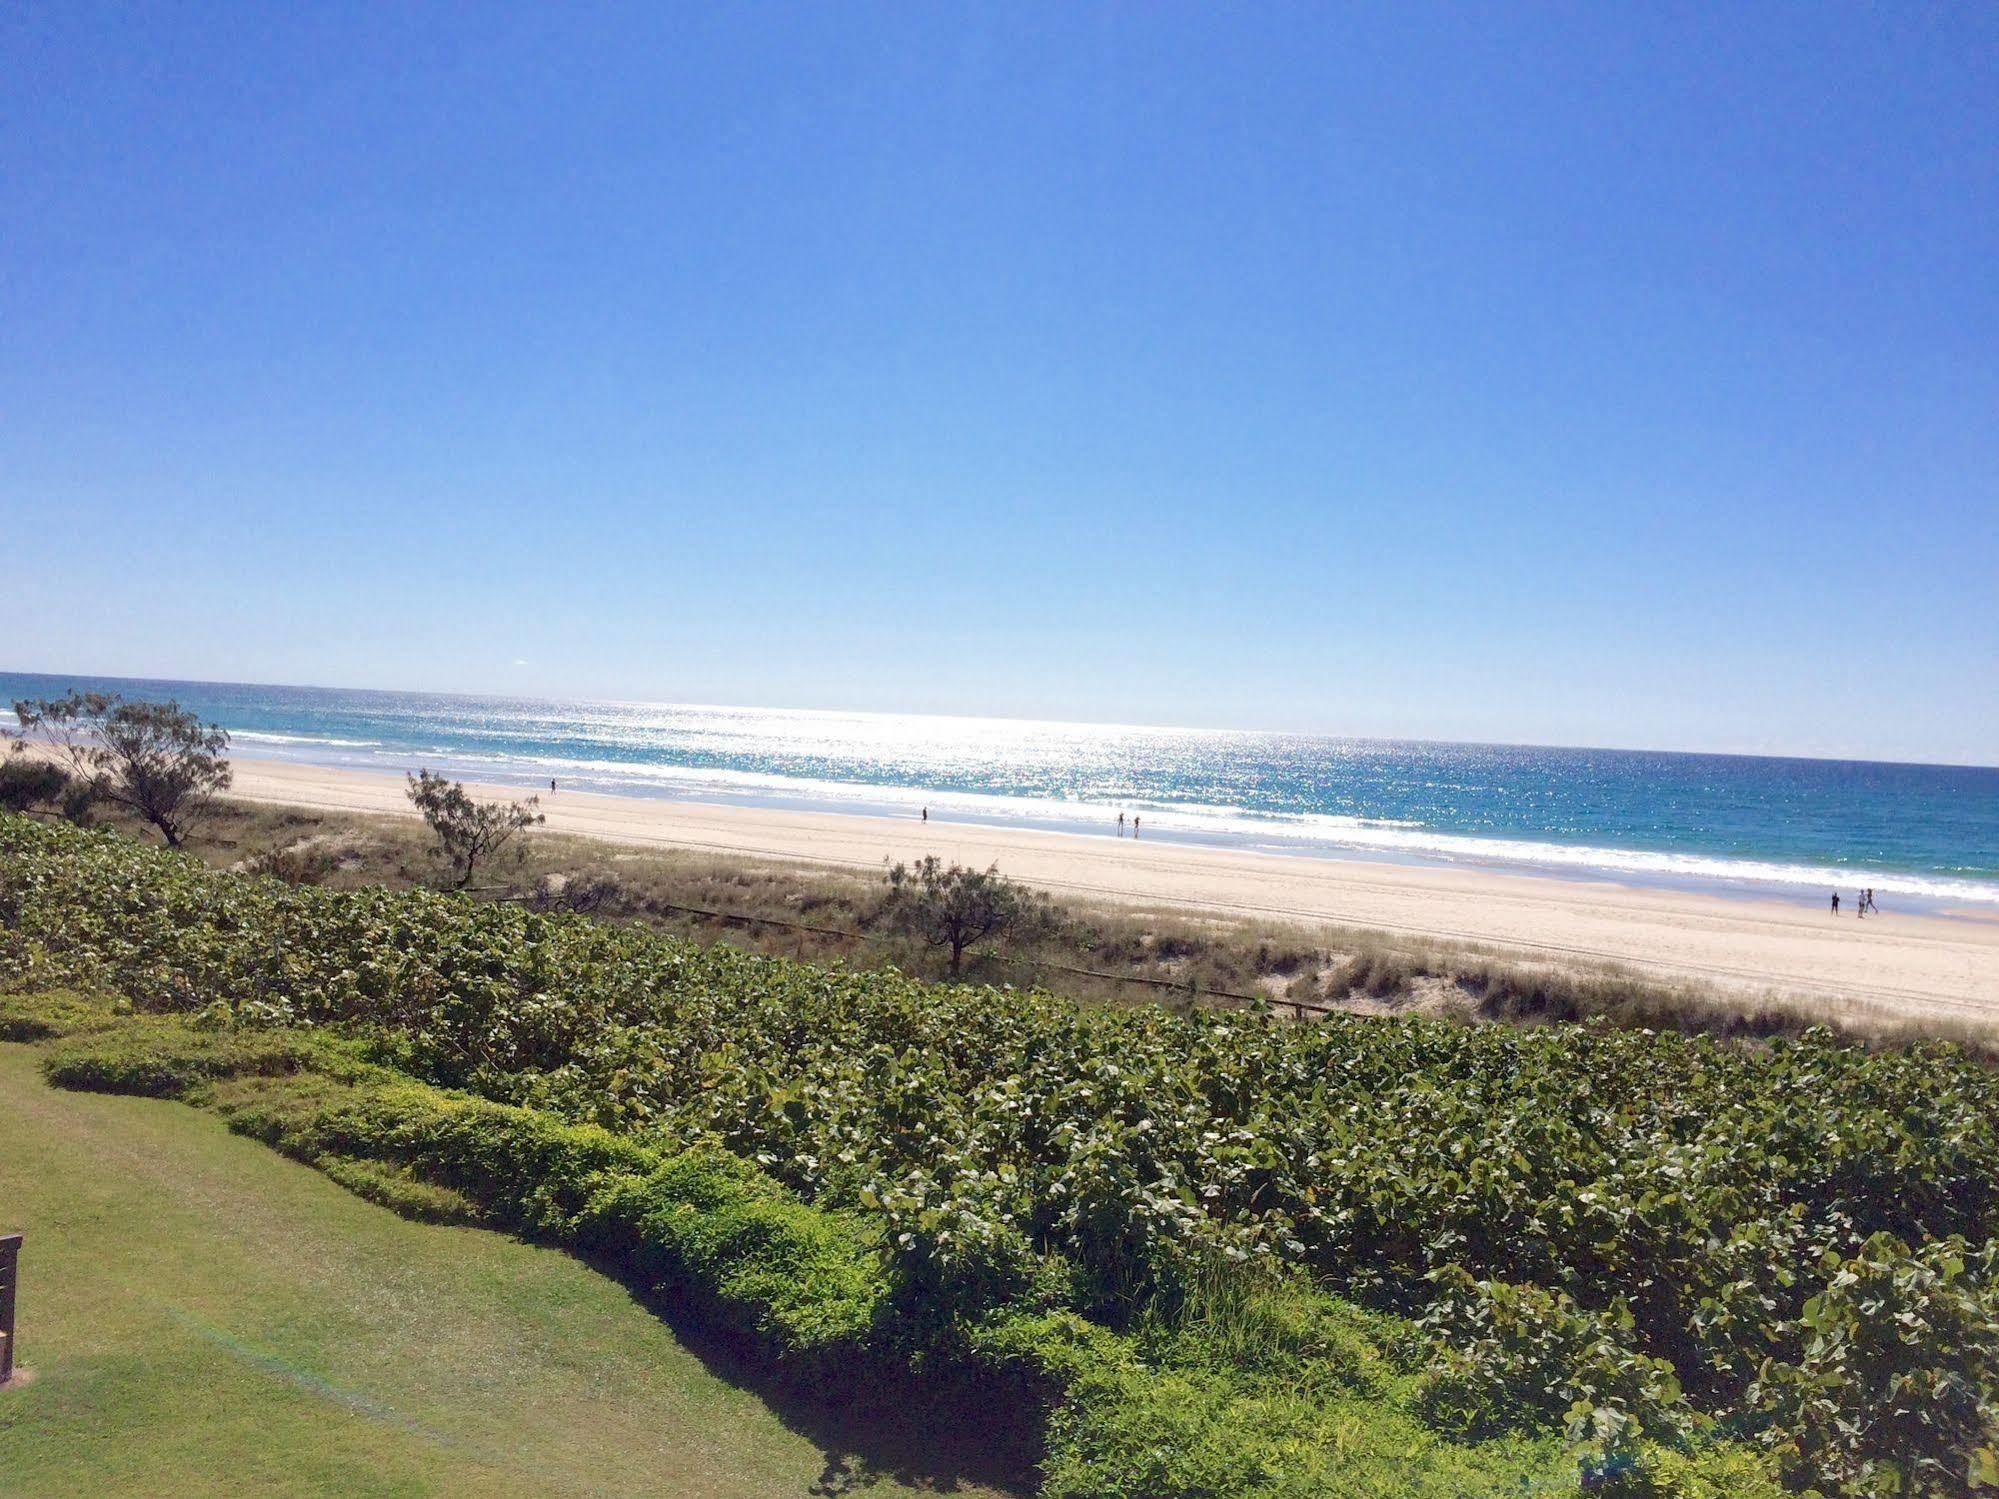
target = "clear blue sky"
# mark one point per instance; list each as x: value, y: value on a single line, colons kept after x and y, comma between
x: 1582, y: 374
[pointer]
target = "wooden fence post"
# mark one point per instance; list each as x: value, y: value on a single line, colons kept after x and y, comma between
x: 10, y: 1260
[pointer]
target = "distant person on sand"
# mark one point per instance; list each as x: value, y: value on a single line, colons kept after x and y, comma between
x: 1835, y: 903
x: 1867, y: 901
x: 551, y: 785
x: 1134, y: 825
x: 926, y: 814
x: 1120, y: 822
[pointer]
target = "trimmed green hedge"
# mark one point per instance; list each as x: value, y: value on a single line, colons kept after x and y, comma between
x: 45, y: 1016
x: 158, y: 1057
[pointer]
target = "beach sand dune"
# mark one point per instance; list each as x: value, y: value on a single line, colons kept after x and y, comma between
x: 1893, y: 967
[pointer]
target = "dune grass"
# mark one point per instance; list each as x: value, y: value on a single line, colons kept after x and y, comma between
x: 201, y: 1316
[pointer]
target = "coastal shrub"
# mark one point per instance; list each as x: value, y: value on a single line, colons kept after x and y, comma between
x: 947, y: 1259
x: 1121, y: 1420
x: 1894, y: 1388
x: 397, y: 1189
x: 303, y: 863
x: 42, y: 1015
x: 157, y: 760
x: 525, y: 1170
x: 1281, y: 1326
x: 32, y: 783
x: 468, y: 834
x: 1654, y: 1204
x: 806, y: 1285
x: 1198, y: 1433
x: 1519, y: 1356
x: 1650, y: 1471
x: 160, y: 1059
x: 956, y: 908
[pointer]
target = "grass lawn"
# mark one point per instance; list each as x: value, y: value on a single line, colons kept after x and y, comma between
x: 199, y: 1315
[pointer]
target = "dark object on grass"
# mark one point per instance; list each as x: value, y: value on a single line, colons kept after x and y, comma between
x: 10, y: 1260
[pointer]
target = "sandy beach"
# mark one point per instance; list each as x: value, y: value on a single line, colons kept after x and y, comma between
x: 1891, y: 967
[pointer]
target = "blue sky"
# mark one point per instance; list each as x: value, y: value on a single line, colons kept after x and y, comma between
x: 1575, y: 374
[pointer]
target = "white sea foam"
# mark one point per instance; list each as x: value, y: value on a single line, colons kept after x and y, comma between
x: 263, y: 736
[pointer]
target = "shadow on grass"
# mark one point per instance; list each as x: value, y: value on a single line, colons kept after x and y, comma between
x: 947, y: 1436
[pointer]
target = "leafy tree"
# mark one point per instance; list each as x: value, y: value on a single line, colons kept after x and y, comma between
x: 63, y: 728
x: 469, y: 833
x: 157, y: 759
x: 958, y: 908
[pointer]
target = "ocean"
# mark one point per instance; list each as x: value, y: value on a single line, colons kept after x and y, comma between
x: 1928, y: 834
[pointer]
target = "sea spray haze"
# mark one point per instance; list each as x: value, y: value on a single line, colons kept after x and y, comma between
x: 1920, y: 832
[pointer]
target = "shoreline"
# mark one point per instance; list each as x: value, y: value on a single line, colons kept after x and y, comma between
x: 1730, y: 876
x: 1897, y: 966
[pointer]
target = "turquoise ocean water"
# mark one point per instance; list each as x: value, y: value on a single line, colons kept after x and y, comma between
x: 1929, y: 834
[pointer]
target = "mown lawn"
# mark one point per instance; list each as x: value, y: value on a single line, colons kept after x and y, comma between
x: 201, y: 1316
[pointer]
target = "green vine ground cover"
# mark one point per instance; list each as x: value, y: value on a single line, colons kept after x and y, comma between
x: 1222, y: 1253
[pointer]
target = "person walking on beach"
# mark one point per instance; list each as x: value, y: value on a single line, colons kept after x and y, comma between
x: 1134, y: 824
x: 926, y: 814
x: 1120, y: 824
x: 1835, y: 903
x: 551, y: 785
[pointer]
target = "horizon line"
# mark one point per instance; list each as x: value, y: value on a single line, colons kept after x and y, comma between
x: 1001, y: 718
